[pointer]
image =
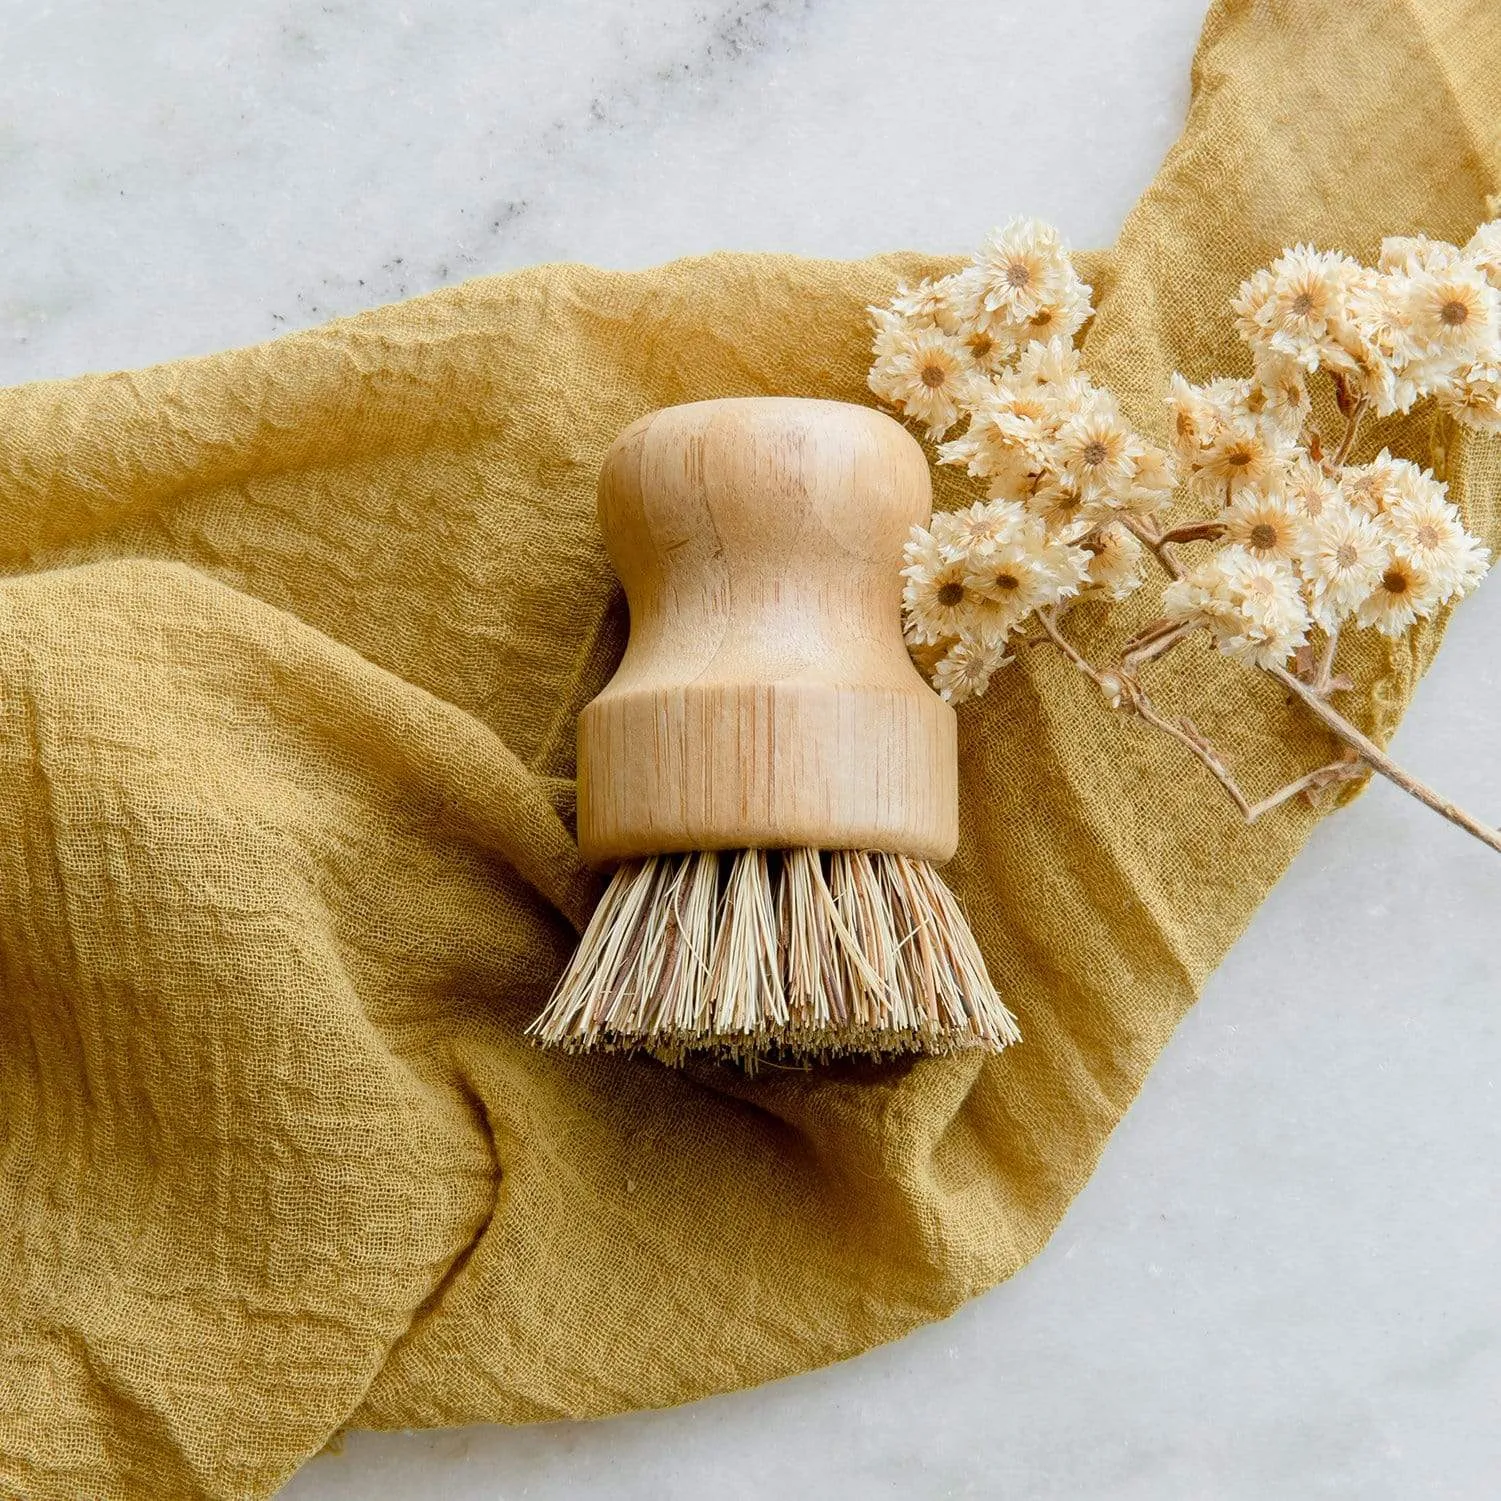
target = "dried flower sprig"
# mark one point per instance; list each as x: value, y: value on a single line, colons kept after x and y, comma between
x: 1306, y: 543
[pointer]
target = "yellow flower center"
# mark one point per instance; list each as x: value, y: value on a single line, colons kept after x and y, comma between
x: 1303, y: 304
x: 981, y: 345
x: 1263, y: 535
x: 1018, y: 275
x: 1428, y: 534
x: 1394, y: 581
x: 933, y: 376
x: 1095, y: 452
x: 1347, y: 555
x: 1454, y: 313
x: 1007, y: 581
x: 1239, y: 456
x: 950, y: 594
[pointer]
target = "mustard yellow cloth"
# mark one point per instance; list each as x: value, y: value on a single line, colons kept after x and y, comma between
x: 292, y: 640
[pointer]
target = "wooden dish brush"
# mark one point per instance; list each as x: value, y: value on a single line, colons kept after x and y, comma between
x: 767, y: 768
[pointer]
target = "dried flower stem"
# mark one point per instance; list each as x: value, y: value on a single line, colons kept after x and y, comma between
x: 1323, y: 674
x: 1134, y: 698
x: 1195, y: 531
x: 1346, y: 769
x: 1379, y: 761
x: 1158, y: 542
x: 1315, y: 696
x: 1352, y: 427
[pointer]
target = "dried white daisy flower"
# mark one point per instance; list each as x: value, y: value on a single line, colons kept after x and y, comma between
x: 1342, y: 556
x: 1280, y: 395
x: 1289, y: 309
x: 1154, y: 477
x: 1308, y: 486
x: 930, y: 304
x: 1451, y: 316
x: 1477, y: 564
x: 1116, y: 560
x: 1241, y: 456
x: 964, y: 295
x: 1368, y: 348
x: 1253, y: 607
x: 1063, y: 317
x: 1411, y: 255
x: 1005, y: 442
x: 1023, y: 268
x: 956, y: 533
x: 924, y: 372
x: 964, y: 671
x: 1425, y: 530
x: 937, y: 601
x: 1024, y: 571
x: 1230, y: 398
x: 1374, y: 486
x: 1054, y: 363
x: 1483, y: 251
x: 1267, y: 526
x: 1403, y: 593
x: 989, y: 351
x: 1268, y: 620
x: 1472, y: 394
x: 1193, y: 417
x: 1064, y: 510
x: 1097, y: 451
x: 1249, y: 305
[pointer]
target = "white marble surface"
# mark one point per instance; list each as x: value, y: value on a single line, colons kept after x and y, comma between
x: 1282, y: 1280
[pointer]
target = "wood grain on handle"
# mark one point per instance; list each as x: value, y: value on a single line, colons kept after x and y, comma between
x: 766, y: 697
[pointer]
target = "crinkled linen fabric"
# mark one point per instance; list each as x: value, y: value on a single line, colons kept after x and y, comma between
x: 292, y: 641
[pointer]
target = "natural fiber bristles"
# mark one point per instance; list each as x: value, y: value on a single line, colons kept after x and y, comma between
x: 796, y: 951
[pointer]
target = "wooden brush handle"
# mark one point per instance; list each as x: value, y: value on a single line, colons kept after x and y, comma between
x: 766, y: 697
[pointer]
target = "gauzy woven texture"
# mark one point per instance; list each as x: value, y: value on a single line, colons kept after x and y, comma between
x: 292, y: 642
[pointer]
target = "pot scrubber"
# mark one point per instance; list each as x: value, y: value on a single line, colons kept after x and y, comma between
x: 767, y: 769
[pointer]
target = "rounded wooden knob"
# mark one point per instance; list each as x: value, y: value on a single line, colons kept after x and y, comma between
x: 766, y: 698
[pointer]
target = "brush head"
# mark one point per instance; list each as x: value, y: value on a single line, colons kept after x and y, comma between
x: 777, y: 953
